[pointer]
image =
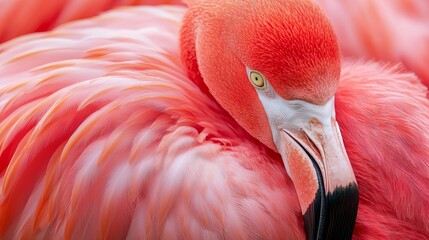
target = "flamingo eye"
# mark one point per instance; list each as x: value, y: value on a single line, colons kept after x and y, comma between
x: 257, y: 79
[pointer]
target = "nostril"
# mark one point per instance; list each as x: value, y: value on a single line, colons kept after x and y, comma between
x: 313, y: 146
x: 307, y: 140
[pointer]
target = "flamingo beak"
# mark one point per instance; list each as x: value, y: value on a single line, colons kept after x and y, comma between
x: 315, y: 158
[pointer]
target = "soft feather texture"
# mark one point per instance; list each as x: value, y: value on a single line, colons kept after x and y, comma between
x: 102, y: 134
x: 388, y: 30
x: 383, y: 115
x: 19, y: 17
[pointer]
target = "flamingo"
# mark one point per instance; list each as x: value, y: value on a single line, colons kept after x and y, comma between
x: 107, y: 130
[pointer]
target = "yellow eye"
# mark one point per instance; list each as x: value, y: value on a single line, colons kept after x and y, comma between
x: 257, y: 79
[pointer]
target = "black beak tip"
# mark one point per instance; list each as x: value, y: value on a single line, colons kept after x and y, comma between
x: 332, y: 216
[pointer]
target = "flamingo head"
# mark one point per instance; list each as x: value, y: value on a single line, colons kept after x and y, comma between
x: 275, y: 66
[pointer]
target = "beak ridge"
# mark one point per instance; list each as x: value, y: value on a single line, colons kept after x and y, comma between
x: 317, y: 162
